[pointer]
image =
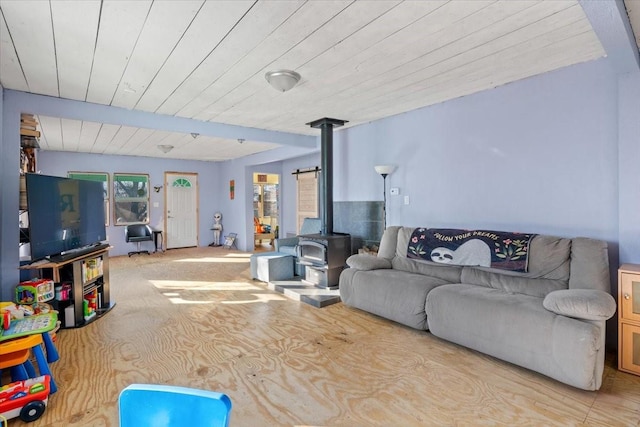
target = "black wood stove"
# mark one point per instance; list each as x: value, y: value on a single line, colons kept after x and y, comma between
x: 325, y: 254
x: 324, y: 257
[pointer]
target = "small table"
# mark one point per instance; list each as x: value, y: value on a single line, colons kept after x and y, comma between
x: 157, y: 233
x: 26, y: 335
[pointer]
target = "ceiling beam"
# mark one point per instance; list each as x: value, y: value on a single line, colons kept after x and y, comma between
x: 78, y: 110
x: 611, y: 24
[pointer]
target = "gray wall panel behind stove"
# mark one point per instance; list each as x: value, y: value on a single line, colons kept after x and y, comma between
x: 363, y: 220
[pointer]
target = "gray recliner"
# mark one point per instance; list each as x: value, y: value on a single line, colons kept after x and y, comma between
x: 289, y: 245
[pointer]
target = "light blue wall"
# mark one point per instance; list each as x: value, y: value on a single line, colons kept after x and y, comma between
x: 539, y: 156
x: 59, y: 163
x: 9, y: 191
x: 238, y: 213
x: 629, y: 170
x: 6, y: 262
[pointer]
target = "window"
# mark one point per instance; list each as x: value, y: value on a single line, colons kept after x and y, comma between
x: 131, y: 198
x: 100, y: 177
x: 307, y: 195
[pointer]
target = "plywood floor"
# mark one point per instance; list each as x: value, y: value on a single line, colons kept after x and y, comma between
x: 193, y: 318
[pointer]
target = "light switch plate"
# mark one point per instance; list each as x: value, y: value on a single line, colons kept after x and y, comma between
x: 394, y: 191
x: 406, y: 200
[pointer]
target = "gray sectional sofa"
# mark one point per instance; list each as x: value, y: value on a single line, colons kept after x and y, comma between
x: 550, y: 319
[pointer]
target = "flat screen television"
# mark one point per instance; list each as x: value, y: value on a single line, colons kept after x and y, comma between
x: 64, y: 214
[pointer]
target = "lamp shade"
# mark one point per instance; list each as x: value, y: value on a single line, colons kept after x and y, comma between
x: 384, y: 169
x: 282, y: 80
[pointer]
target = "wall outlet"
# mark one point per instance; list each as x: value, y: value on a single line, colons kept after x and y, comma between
x: 406, y: 200
x: 394, y: 191
x: 156, y: 204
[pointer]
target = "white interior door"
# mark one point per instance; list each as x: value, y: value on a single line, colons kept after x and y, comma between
x: 181, y: 209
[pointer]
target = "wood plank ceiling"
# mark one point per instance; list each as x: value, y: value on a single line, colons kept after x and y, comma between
x: 633, y: 11
x: 206, y: 60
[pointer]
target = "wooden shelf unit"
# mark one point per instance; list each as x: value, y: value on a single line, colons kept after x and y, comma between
x: 629, y: 318
x: 75, y: 270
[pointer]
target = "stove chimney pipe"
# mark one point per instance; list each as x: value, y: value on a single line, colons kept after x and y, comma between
x: 326, y: 126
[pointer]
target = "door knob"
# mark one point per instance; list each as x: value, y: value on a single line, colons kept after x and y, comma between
x: 627, y: 296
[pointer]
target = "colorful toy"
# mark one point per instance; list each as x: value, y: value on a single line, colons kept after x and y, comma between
x: 17, y: 311
x: 34, y: 291
x: 25, y: 399
x: 90, y: 304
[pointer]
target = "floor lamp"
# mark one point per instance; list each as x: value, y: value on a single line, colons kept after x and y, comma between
x: 384, y: 170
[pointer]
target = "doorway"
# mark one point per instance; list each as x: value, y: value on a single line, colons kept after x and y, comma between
x: 266, y: 202
x: 181, y: 209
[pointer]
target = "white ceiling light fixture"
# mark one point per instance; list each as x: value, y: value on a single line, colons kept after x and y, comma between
x: 282, y: 80
x: 165, y: 148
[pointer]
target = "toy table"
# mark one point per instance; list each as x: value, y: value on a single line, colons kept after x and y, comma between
x: 12, y: 354
x: 29, y: 326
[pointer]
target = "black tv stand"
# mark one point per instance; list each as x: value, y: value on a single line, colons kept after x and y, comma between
x: 74, y: 253
x: 88, y: 275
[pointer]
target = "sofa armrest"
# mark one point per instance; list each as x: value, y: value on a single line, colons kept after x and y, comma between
x: 285, y: 241
x: 368, y: 262
x: 587, y: 304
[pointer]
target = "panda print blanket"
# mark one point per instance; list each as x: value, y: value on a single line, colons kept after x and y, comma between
x: 497, y: 249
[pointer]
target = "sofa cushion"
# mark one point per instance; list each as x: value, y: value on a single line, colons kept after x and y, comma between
x: 585, y: 304
x: 518, y: 329
x: 367, y: 262
x: 511, y: 283
x: 449, y: 273
x: 550, y: 258
x: 402, y: 242
x: 589, y: 264
x: 392, y: 294
x: 389, y: 242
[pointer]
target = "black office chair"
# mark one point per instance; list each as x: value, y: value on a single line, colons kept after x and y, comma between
x: 138, y: 233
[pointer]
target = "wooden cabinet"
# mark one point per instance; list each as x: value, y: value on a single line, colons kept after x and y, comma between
x: 88, y: 279
x: 629, y: 318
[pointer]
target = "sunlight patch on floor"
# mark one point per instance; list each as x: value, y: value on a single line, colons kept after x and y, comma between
x: 259, y: 298
x: 178, y: 300
x: 175, y: 298
x: 203, y: 286
x: 226, y: 259
x: 171, y: 289
x: 237, y: 255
